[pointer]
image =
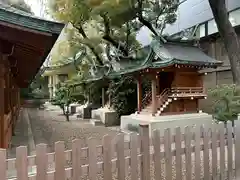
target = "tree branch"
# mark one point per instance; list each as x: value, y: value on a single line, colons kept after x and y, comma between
x: 107, y: 37
x: 127, y: 36
x: 84, y: 35
x: 141, y: 18
x: 108, y: 52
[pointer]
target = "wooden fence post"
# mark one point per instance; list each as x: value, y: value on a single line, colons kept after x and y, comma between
x: 145, y: 160
x: 3, y: 164
x: 22, y: 163
x: 237, y: 149
x: 134, y: 153
x: 41, y: 162
x: 107, y: 157
x: 120, y: 157
x: 59, y: 161
x: 157, y: 154
x: 168, y: 153
x: 92, y: 159
x: 76, y: 159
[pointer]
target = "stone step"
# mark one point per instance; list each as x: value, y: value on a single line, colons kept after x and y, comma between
x: 96, y: 122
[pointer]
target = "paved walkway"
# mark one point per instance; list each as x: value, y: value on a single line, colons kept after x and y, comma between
x: 23, y: 135
x: 40, y: 126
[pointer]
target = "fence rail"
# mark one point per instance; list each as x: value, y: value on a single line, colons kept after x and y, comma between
x: 193, y: 153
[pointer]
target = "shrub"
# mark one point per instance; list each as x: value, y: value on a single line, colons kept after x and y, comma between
x: 123, y: 93
x: 63, y: 98
x: 226, y: 102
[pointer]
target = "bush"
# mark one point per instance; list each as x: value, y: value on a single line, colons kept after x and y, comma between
x: 63, y: 98
x: 226, y: 102
x: 123, y: 93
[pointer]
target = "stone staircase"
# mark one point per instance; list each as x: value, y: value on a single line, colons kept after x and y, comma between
x: 163, y: 101
x: 164, y: 105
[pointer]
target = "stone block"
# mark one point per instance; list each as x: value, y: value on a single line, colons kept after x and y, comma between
x: 107, y: 116
x: 73, y: 108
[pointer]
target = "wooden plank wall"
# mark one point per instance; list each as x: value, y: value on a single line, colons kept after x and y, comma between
x: 9, y: 102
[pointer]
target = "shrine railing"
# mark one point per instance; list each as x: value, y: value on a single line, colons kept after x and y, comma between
x: 187, y: 90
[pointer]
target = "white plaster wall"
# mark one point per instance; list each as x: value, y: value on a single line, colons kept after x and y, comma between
x: 171, y: 121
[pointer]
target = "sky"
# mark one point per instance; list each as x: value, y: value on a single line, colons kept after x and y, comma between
x: 37, y: 8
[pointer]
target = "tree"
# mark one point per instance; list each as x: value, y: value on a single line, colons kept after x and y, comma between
x: 113, y: 23
x: 107, y: 31
x: 63, y: 98
x: 228, y: 35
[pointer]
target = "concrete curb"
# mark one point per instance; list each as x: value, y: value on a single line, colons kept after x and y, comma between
x: 31, y: 143
x: 12, y: 174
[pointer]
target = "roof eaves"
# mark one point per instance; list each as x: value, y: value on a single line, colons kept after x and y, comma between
x: 30, y: 21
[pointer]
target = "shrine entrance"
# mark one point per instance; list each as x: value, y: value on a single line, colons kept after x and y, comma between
x: 165, y: 80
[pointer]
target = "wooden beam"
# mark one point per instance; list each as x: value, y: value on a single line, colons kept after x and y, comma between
x: 17, y: 36
x: 2, y: 86
x: 21, y: 28
x: 154, y: 95
x: 139, y: 93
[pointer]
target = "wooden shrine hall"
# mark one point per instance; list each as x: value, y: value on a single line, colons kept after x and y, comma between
x: 25, y: 42
x: 176, y: 84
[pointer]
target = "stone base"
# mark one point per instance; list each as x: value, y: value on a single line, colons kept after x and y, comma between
x: 73, y: 108
x: 107, y: 116
x: 96, y: 122
x: 132, y: 121
x: 84, y: 111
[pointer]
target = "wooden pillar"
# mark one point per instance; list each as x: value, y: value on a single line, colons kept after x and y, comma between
x: 154, y: 95
x: 139, y: 93
x: 2, y: 87
x: 103, y: 97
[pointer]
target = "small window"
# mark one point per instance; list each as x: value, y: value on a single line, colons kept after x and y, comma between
x: 212, y: 27
x: 234, y: 17
x: 200, y: 32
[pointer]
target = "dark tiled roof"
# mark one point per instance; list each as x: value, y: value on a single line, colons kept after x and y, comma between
x: 163, y: 55
x: 189, y: 53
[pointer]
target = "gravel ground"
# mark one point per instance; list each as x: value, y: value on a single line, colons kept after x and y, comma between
x: 49, y: 127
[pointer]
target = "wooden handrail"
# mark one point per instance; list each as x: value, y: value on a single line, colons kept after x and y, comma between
x: 146, y: 99
x: 163, y: 96
x: 187, y: 90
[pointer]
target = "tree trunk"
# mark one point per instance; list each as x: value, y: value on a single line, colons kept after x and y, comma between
x: 228, y: 35
x: 67, y: 116
x: 63, y: 110
x: 67, y: 113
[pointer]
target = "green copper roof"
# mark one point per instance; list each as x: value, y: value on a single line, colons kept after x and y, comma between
x: 12, y: 15
x: 163, y: 55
